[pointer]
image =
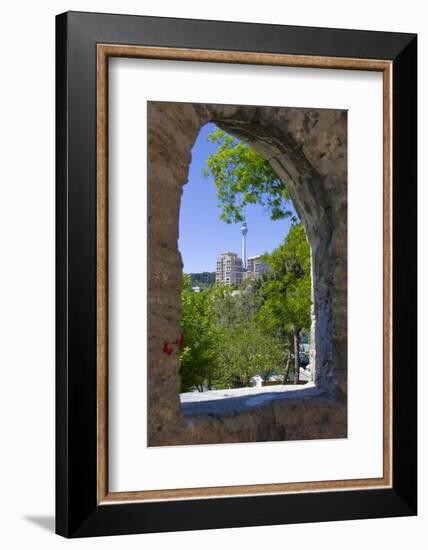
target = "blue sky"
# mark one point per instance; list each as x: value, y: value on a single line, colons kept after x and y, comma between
x: 203, y: 236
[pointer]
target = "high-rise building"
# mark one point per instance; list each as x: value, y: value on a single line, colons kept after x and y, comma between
x: 244, y: 231
x: 256, y: 267
x: 229, y: 269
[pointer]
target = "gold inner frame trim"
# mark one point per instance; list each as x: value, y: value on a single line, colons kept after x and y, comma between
x: 104, y: 51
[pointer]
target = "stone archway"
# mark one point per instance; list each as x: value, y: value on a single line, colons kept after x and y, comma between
x: 307, y: 149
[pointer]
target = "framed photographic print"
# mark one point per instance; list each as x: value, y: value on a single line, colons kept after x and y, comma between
x: 236, y: 274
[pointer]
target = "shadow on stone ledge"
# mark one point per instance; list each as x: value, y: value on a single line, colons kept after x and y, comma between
x: 252, y: 399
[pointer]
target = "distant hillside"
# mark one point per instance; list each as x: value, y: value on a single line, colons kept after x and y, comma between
x: 203, y: 279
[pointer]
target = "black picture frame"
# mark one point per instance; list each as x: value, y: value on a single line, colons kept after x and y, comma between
x: 77, y: 511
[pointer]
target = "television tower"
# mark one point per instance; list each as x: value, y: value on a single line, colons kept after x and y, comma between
x: 244, y: 231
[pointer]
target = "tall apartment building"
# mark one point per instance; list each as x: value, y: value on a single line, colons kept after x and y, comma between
x: 255, y: 267
x: 229, y: 269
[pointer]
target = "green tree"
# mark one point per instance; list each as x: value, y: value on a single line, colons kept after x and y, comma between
x: 198, y: 355
x: 246, y: 351
x: 244, y: 348
x: 224, y: 345
x: 287, y: 291
x: 243, y: 177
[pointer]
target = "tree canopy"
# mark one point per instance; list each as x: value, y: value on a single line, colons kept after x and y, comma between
x: 287, y: 286
x: 243, y: 177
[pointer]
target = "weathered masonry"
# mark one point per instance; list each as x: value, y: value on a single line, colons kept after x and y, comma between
x: 307, y: 148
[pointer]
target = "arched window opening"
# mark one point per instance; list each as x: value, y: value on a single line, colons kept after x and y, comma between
x: 246, y: 298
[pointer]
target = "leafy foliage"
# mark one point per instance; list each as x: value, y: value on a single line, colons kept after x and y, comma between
x: 243, y: 177
x: 287, y: 306
x: 198, y: 356
x: 287, y: 288
x: 204, y: 279
x: 246, y: 351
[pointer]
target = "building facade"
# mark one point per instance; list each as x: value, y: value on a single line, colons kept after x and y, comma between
x: 255, y: 267
x: 229, y: 269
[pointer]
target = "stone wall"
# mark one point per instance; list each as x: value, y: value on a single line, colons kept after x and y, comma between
x: 307, y: 148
